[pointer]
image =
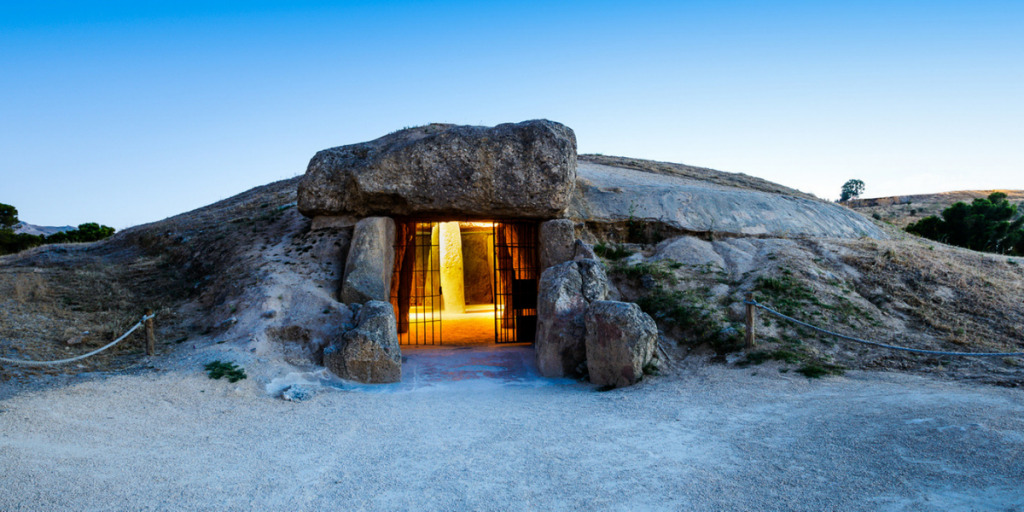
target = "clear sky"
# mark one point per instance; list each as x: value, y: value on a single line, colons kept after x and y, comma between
x: 127, y: 112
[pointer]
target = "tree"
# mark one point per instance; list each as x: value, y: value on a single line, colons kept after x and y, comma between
x: 11, y: 242
x: 8, y: 216
x: 987, y: 224
x: 851, y: 189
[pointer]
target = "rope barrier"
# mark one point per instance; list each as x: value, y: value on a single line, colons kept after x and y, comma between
x: 83, y: 356
x: 883, y: 345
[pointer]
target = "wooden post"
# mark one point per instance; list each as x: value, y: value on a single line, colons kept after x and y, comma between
x: 150, y: 335
x: 751, y: 316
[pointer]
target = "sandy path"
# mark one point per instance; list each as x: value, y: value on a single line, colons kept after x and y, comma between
x: 707, y: 438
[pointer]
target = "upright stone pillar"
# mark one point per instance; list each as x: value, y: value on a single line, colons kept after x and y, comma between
x: 453, y: 289
x: 557, y: 239
x: 370, y: 262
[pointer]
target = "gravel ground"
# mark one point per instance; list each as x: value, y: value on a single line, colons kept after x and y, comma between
x: 704, y: 437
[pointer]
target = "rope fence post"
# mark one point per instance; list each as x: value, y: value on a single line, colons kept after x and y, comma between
x: 150, y: 334
x: 751, y: 316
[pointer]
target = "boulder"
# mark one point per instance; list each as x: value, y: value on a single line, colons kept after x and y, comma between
x: 595, y: 279
x: 583, y: 251
x: 556, y: 242
x: 620, y: 342
x: 369, y: 353
x: 371, y: 256
x: 564, y: 293
x: 559, y: 343
x: 511, y: 170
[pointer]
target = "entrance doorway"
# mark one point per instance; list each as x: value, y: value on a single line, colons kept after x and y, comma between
x: 465, y: 282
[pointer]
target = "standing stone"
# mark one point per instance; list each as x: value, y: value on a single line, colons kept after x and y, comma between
x: 453, y: 289
x: 556, y: 242
x: 370, y: 261
x: 369, y: 353
x: 559, y: 344
x: 620, y: 342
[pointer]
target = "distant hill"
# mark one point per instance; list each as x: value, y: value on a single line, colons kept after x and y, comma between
x: 904, y: 210
x: 32, y: 229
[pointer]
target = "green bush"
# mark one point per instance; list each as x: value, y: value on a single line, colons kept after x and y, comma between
x: 11, y: 242
x: 991, y: 224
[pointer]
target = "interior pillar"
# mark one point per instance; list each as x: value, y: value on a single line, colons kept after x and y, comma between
x: 453, y: 289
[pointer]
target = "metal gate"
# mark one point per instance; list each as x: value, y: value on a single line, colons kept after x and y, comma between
x: 415, y: 283
x: 516, y: 274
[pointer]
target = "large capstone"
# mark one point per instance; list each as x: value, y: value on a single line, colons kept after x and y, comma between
x: 370, y: 352
x: 368, y: 268
x: 621, y: 340
x: 526, y: 169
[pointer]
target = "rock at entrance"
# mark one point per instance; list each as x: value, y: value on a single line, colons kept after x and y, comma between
x: 565, y: 290
x: 370, y: 259
x: 559, y: 343
x: 556, y: 242
x: 583, y: 251
x: 620, y: 342
x: 511, y: 170
x: 370, y: 352
x: 595, y: 279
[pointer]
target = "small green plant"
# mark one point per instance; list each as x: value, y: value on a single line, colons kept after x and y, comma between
x: 611, y: 251
x: 760, y: 356
x: 231, y: 371
x: 815, y: 370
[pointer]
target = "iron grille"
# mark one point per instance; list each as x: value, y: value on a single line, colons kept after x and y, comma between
x: 516, y: 274
x: 415, y: 283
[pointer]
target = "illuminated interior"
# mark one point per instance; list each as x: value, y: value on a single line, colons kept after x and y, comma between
x: 453, y: 288
x: 462, y: 283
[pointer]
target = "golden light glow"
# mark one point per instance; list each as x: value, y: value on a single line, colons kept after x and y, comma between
x: 452, y: 285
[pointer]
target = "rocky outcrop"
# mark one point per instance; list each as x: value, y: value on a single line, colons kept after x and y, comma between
x: 676, y: 205
x: 556, y: 242
x: 368, y: 267
x: 565, y: 291
x: 511, y: 170
x: 369, y: 353
x: 620, y: 342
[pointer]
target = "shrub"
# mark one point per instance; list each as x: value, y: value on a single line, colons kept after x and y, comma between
x: 231, y: 371
x: 989, y: 224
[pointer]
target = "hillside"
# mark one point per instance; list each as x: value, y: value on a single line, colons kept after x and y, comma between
x: 249, y: 277
x: 32, y: 229
x: 903, y: 210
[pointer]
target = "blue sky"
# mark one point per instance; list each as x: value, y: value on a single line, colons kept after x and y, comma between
x: 129, y: 112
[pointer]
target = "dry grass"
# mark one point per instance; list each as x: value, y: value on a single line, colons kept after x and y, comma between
x: 197, y: 261
x: 903, y: 210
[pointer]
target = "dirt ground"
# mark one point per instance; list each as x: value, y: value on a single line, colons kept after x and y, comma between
x: 702, y: 437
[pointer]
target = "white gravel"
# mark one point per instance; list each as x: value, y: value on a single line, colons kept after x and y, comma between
x: 705, y: 438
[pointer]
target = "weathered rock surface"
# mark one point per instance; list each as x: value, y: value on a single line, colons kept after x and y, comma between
x: 371, y: 256
x: 607, y: 194
x: 565, y: 291
x: 369, y: 353
x: 583, y: 251
x: 595, y: 280
x: 620, y: 342
x: 556, y: 242
x: 512, y: 170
